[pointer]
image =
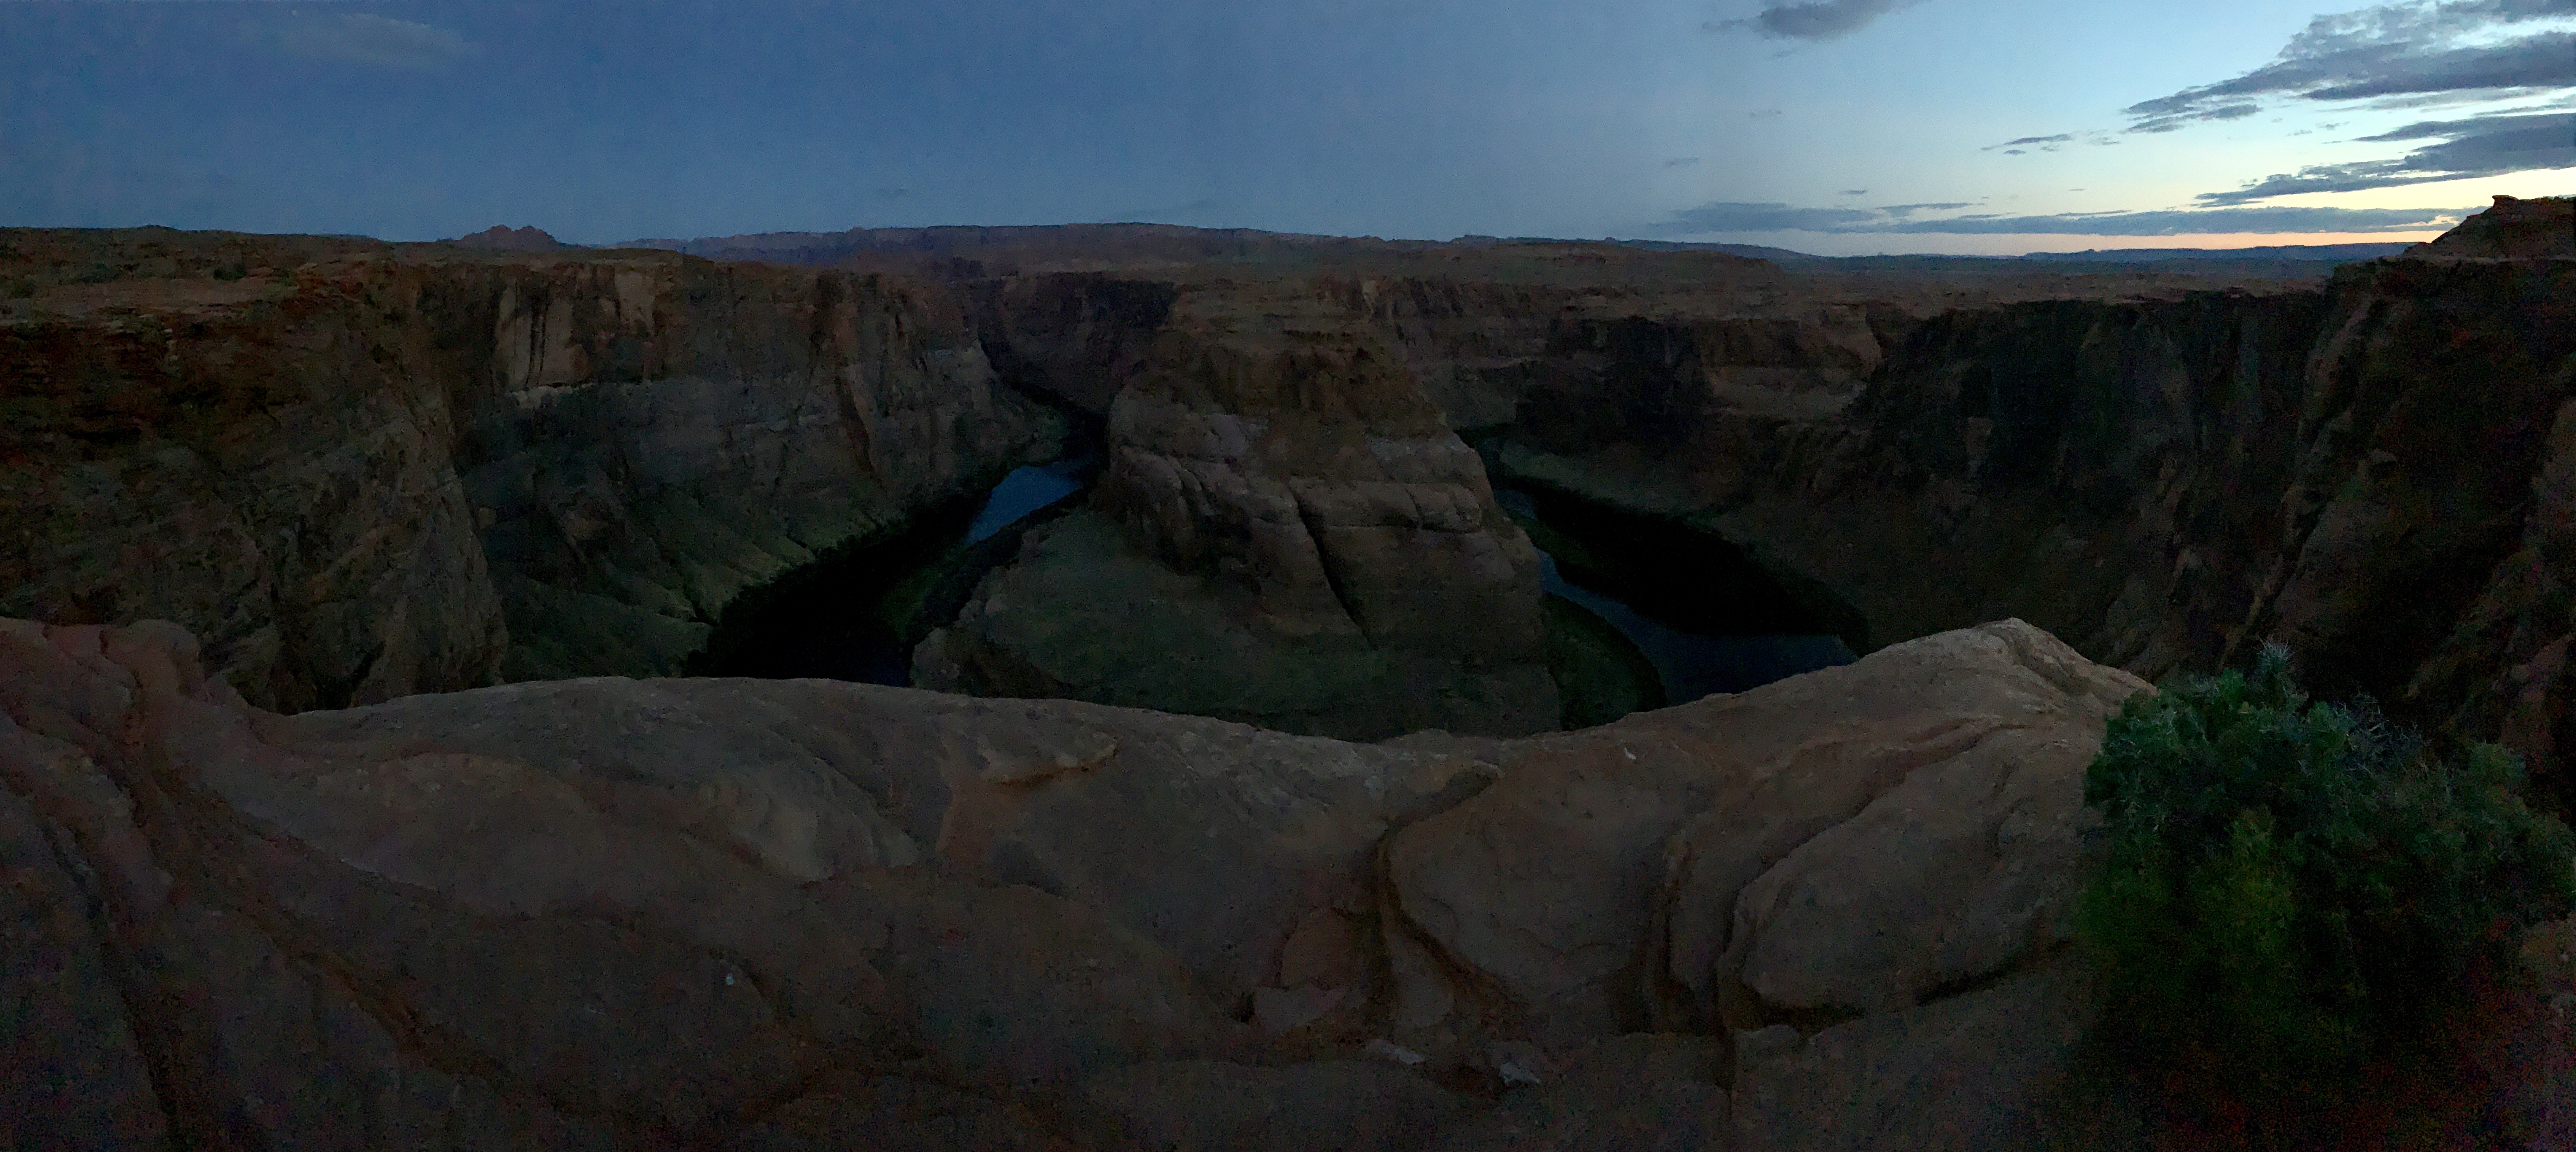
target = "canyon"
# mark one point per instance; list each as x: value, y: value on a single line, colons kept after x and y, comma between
x: 367, y: 782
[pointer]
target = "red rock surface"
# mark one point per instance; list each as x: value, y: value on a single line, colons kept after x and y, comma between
x: 762, y: 914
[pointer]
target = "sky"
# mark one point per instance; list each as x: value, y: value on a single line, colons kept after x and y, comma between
x: 1835, y: 126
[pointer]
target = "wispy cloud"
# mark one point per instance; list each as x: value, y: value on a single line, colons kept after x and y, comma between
x: 1855, y: 192
x: 2482, y: 48
x: 1823, y: 20
x: 2049, y: 143
x: 2478, y: 146
x: 1897, y: 218
x: 2060, y: 138
x: 1681, y: 161
x: 366, y: 38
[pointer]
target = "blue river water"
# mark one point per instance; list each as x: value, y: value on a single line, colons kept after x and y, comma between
x: 1692, y: 664
x: 1025, y: 491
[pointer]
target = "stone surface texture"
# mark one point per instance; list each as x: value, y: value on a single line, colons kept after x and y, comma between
x: 2372, y: 472
x: 391, y: 470
x: 789, y: 914
x: 1312, y: 548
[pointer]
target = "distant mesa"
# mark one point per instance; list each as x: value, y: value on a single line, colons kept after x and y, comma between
x: 506, y: 239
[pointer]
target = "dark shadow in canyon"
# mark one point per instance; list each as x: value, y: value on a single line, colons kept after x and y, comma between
x: 1704, y: 617
x: 856, y: 613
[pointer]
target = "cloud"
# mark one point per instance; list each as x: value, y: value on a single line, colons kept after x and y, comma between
x: 1681, y: 161
x: 2051, y: 143
x: 365, y: 38
x: 1823, y: 20
x: 2404, y: 50
x: 1855, y: 192
x: 1723, y: 216
x: 1733, y: 217
x: 2479, y: 146
x: 2189, y: 222
x: 1910, y: 209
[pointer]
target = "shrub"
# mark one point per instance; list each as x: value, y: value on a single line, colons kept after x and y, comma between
x: 2288, y: 885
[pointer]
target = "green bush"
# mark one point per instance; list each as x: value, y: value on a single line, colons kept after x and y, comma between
x: 2290, y: 885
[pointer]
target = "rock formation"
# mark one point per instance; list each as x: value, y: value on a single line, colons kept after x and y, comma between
x: 503, y: 238
x: 792, y: 914
x: 1286, y: 533
x: 2370, y: 472
x: 395, y: 471
x: 2510, y: 230
x: 742, y: 914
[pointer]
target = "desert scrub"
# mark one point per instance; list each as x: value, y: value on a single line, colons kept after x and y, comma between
x: 2290, y: 886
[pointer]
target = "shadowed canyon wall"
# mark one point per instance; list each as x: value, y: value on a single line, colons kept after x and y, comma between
x: 2374, y: 473
x: 378, y: 474
x: 389, y: 471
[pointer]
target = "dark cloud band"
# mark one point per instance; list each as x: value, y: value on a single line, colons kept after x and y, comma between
x: 2479, y: 146
x: 2389, y: 50
x: 1823, y: 20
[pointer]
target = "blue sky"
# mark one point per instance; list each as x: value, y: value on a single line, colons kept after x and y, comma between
x: 1839, y: 126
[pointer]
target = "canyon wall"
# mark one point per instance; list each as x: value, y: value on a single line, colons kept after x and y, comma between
x: 394, y: 471
x: 2373, y: 473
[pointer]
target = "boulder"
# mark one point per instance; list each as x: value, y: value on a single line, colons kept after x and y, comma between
x: 1708, y: 863
x: 772, y: 914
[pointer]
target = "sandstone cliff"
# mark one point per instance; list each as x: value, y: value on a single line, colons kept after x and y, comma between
x: 401, y: 470
x: 2370, y: 472
x: 1301, y: 542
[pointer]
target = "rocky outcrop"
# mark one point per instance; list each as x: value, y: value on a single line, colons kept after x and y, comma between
x: 1330, y: 557
x: 1705, y: 865
x: 2512, y: 229
x: 793, y: 914
x: 392, y: 472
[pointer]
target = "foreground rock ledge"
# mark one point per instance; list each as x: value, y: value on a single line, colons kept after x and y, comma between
x: 807, y: 914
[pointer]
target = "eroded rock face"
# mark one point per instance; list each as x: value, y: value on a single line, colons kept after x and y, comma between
x: 1330, y: 543
x: 2363, y: 472
x: 667, y: 436
x: 781, y: 914
x: 2511, y: 229
x: 379, y: 473
x: 1706, y: 865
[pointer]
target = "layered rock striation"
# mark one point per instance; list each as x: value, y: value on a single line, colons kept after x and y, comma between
x: 2370, y: 472
x: 1286, y: 532
x: 385, y: 471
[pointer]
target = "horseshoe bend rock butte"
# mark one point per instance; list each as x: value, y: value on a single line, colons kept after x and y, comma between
x: 798, y: 914
x: 1287, y: 533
